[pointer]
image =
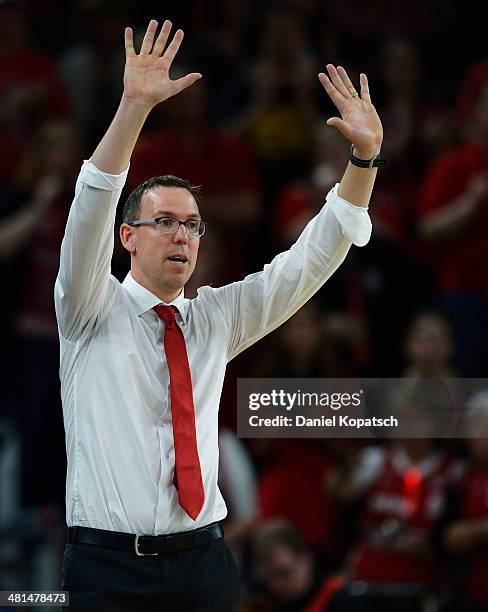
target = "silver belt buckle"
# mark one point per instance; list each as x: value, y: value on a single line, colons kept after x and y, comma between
x: 136, y: 547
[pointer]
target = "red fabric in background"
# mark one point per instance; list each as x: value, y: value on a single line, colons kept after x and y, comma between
x: 416, y: 509
x: 461, y: 259
x: 217, y: 161
x: 22, y: 68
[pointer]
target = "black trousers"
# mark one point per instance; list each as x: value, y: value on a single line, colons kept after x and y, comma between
x: 202, y: 579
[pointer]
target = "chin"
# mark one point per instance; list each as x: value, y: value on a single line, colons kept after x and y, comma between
x: 176, y: 285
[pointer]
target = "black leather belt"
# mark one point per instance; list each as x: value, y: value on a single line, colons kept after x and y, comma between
x: 143, y: 545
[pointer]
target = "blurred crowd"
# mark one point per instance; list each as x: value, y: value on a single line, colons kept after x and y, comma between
x: 315, y: 525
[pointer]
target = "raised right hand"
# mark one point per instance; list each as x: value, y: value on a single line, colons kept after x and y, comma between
x: 146, y: 75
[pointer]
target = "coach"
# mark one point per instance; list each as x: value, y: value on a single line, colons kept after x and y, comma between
x: 142, y: 367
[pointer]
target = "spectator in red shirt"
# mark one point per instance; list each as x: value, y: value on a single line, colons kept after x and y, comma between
x: 417, y: 128
x: 429, y: 347
x: 403, y: 488
x: 454, y: 217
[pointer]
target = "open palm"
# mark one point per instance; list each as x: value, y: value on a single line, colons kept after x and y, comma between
x: 146, y: 76
x: 359, y: 122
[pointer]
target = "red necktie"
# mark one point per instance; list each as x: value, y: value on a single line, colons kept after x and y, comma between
x: 188, y: 476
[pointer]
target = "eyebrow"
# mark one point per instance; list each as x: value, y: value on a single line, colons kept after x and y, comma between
x: 168, y: 213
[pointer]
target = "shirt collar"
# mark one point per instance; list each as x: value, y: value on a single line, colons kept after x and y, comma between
x: 144, y: 300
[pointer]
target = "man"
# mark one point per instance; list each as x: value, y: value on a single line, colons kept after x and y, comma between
x: 142, y: 367
x: 291, y: 578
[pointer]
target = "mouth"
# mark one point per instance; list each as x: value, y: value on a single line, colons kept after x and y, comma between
x: 180, y: 260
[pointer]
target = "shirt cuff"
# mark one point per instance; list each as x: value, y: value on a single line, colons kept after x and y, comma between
x: 92, y: 176
x: 354, y: 220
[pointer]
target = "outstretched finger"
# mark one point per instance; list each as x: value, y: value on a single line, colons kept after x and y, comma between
x: 186, y: 81
x: 129, y: 43
x: 363, y: 79
x: 174, y: 45
x: 148, y: 40
x: 337, y: 81
x: 346, y: 80
x: 162, y: 39
x: 336, y: 97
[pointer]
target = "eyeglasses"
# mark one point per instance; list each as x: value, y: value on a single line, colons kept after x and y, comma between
x: 168, y: 225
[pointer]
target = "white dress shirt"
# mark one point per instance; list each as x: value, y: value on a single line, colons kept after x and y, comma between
x: 114, y: 375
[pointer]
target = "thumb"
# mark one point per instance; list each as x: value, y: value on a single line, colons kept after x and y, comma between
x: 186, y: 81
x: 341, y: 125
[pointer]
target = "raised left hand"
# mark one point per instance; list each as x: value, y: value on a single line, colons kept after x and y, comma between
x: 359, y: 123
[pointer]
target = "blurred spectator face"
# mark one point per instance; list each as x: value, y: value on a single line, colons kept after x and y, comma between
x: 429, y: 343
x: 287, y: 574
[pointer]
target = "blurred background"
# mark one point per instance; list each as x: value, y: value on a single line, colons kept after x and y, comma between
x: 314, y: 525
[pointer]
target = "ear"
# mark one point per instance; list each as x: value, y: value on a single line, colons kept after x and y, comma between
x: 128, y: 237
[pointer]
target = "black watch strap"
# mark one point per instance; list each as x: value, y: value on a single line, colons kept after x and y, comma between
x: 375, y: 162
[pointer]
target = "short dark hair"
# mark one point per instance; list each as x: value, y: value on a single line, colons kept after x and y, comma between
x: 276, y: 533
x: 132, y: 207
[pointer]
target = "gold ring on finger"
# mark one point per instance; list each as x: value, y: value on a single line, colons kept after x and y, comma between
x: 354, y: 94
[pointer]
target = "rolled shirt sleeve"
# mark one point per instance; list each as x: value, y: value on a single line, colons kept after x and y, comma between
x: 354, y: 220
x: 259, y: 303
x: 82, y: 286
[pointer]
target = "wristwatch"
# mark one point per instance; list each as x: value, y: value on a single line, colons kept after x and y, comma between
x: 375, y: 162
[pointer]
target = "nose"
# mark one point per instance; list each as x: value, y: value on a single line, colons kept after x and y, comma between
x: 181, y: 236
